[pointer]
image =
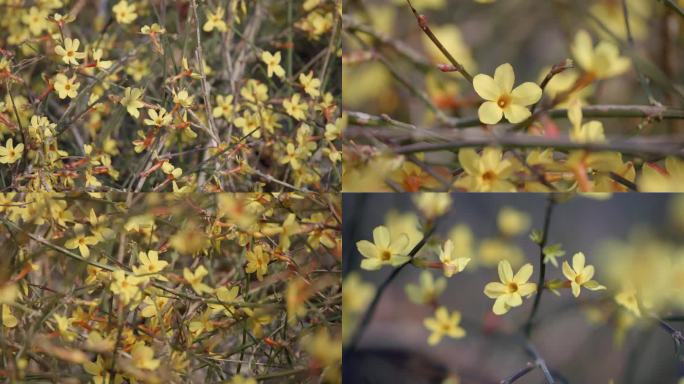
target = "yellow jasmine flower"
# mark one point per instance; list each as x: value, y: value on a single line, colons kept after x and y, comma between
x: 63, y: 325
x: 444, y: 324
x: 224, y: 107
x: 9, y: 154
x: 158, y: 119
x: 291, y: 156
x: 512, y: 288
x: 8, y: 319
x: 591, y: 132
x: 294, y: 108
x: 383, y: 250
x: 69, y: 52
x: 66, y: 87
x: 98, y: 225
x: 310, y: 84
x: 150, y: 266
x: 601, y: 62
x: 580, y: 275
x: 8, y: 292
x: 628, y: 299
x: 195, y: 279
x: 289, y: 228
x: 257, y: 262
x: 99, y: 63
x: 452, y: 264
x: 172, y: 171
x: 488, y: 172
x: 183, y: 98
x: 670, y: 179
x: 81, y: 241
x: 201, y: 323
x: 254, y: 92
x: 124, y: 12
x: 226, y: 297
x: 36, y: 20
x: 132, y: 101
x: 215, y: 20
x: 512, y: 222
x: 502, y: 99
x: 126, y: 287
x: 428, y: 289
x: 142, y: 357
x: 432, y: 204
x: 272, y: 62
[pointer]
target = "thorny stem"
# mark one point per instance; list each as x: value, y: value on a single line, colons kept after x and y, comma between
x: 365, y: 321
x: 422, y: 22
x: 542, y: 266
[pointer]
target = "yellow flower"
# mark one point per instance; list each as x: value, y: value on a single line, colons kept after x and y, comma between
x: 444, y: 324
x: 291, y: 156
x: 63, y: 325
x: 485, y: 173
x: 512, y: 222
x: 272, y: 62
x: 294, y: 108
x: 215, y: 20
x: 8, y: 319
x: 126, y: 287
x: 601, y: 62
x: 432, y: 204
x: 502, y: 99
x: 671, y: 179
x: 69, y: 52
x: 195, y: 279
x: 257, y: 262
x: 591, y: 132
x: 36, y: 20
x: 428, y: 289
x: 150, y: 266
x: 81, y: 241
x: 628, y: 299
x: 172, y: 171
x: 224, y: 107
x: 124, y: 12
x: 158, y: 119
x: 143, y: 357
x: 99, y: 63
x: 580, y: 275
x: 132, y: 101
x: 9, y: 154
x: 183, y: 98
x: 310, y: 84
x: 383, y: 250
x: 66, y: 87
x: 226, y: 297
x: 289, y: 228
x: 512, y: 288
x: 452, y: 264
x: 8, y: 292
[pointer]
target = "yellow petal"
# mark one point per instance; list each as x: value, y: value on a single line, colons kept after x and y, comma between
x: 516, y: 113
x: 486, y: 87
x: 468, y: 159
x: 505, y: 271
x: 526, y: 94
x: 504, y: 77
x: 489, y: 112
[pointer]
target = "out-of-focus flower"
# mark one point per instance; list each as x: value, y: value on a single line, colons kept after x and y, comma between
x: 580, y: 275
x: 427, y: 290
x: 452, y: 262
x: 512, y: 222
x: 601, y: 62
x: 444, y: 324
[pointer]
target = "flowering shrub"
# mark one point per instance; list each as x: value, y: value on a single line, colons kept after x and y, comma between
x: 479, y: 299
x: 238, y: 95
x: 576, y: 99
x: 234, y: 288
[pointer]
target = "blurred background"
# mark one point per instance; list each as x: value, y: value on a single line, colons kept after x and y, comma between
x: 384, y: 50
x: 630, y: 238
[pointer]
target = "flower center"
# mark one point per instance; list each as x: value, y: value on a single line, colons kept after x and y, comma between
x: 385, y: 255
x: 70, y: 53
x: 489, y: 176
x: 512, y: 287
x: 503, y: 101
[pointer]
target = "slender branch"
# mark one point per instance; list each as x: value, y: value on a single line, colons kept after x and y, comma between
x: 542, y: 266
x: 540, y: 362
x: 365, y: 321
x: 522, y: 372
x: 556, y: 69
x: 630, y: 40
x: 674, y: 6
x: 422, y: 22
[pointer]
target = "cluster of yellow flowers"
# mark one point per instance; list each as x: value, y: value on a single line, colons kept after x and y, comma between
x: 394, y: 245
x: 195, y: 96
x: 522, y: 166
x: 171, y: 287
